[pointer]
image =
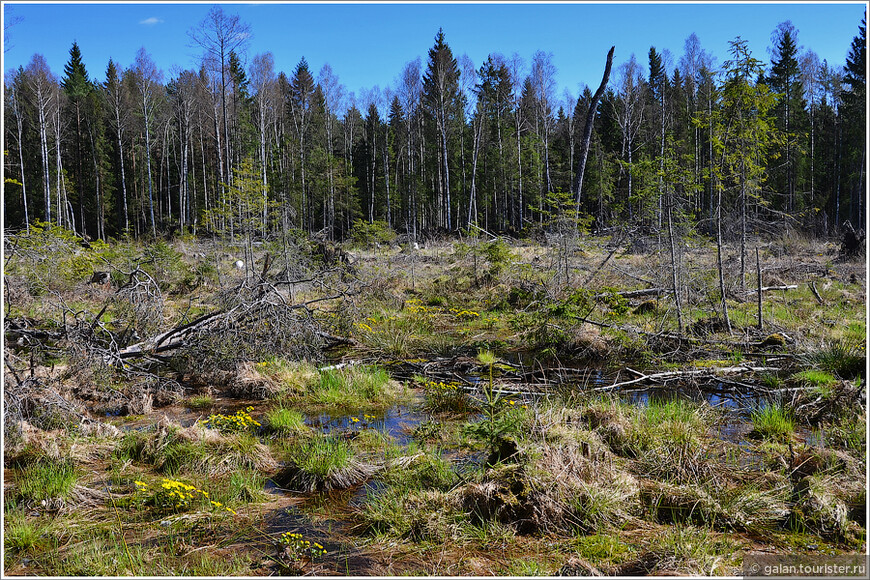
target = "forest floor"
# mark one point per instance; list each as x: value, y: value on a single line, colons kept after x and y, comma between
x: 463, y: 409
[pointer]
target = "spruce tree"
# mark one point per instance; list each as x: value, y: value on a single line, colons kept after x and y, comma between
x: 77, y: 87
x: 855, y: 119
x: 440, y: 96
x: 790, y: 112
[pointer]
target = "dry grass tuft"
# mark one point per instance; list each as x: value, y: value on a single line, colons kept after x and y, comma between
x: 561, y: 489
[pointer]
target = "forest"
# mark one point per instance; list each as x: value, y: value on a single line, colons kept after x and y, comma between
x: 450, y: 146
x: 462, y: 326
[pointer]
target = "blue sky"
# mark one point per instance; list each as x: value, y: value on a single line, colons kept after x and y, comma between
x: 369, y: 44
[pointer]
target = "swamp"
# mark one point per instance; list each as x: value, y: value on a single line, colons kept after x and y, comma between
x: 466, y: 406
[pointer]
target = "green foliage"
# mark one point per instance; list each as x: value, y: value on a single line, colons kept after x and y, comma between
x: 198, y: 402
x: 849, y: 433
x: 617, y: 303
x: 601, y: 548
x: 241, y: 487
x: 821, y: 381
x: 441, y: 397
x: 21, y: 536
x: 352, y: 387
x: 173, y: 495
x: 368, y: 235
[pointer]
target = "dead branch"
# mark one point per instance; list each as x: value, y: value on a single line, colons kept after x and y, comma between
x: 816, y: 292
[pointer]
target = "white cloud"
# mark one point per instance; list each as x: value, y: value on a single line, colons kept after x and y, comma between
x: 150, y: 21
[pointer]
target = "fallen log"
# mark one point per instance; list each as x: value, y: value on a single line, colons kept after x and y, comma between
x: 769, y: 288
x: 634, y: 293
x: 691, y: 373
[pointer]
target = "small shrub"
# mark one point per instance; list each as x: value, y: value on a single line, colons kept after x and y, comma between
x: 366, y: 235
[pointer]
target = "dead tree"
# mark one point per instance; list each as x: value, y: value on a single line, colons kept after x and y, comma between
x: 587, y: 131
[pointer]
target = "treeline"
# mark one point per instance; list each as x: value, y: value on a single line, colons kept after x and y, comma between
x: 229, y: 148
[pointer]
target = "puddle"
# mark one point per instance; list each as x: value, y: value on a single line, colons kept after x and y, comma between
x: 397, y: 422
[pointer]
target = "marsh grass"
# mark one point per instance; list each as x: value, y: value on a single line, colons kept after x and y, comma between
x: 291, y: 376
x: 774, y: 422
x: 200, y: 402
x: 600, y: 549
x: 282, y: 420
x: 353, y: 388
x: 47, y: 478
x: 694, y: 551
x: 241, y: 487
x: 321, y: 463
x: 821, y: 382
x: 172, y: 450
x: 21, y: 536
x: 844, y: 358
x: 849, y: 433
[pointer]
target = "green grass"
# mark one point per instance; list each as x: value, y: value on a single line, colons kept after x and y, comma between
x: 600, y: 549
x: 241, y: 487
x: 822, y: 382
x: 171, y: 454
x: 321, y: 456
x: 849, y: 433
x: 21, y: 536
x: 198, y: 402
x: 527, y: 568
x: 846, y: 359
x: 694, y: 551
x: 353, y: 387
x: 773, y: 422
x: 674, y: 409
x: 282, y: 420
x: 47, y: 478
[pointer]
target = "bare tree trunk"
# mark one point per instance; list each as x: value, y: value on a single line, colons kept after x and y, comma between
x: 148, y: 167
x: 758, y: 277
x: 20, y: 128
x: 587, y: 131
x: 675, y: 278
x: 719, y: 261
